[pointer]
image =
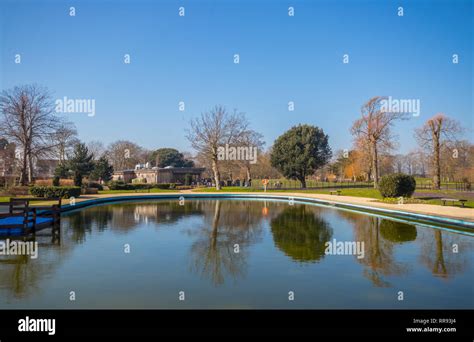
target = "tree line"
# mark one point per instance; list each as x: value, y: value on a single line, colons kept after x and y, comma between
x: 30, y: 131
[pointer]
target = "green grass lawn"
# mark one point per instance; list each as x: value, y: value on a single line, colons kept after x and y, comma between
x: 106, y: 192
x: 358, y: 192
x: 227, y: 189
x: 33, y: 204
x: 468, y: 204
x: 288, y: 183
x: 448, y: 194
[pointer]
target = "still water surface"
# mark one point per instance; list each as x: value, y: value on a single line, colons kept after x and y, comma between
x: 281, y: 248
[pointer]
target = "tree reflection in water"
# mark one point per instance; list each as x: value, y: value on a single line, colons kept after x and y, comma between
x: 439, y: 256
x: 380, y: 236
x: 397, y: 232
x: 301, y: 233
x: 20, y: 275
x: 124, y: 217
x: 227, y: 224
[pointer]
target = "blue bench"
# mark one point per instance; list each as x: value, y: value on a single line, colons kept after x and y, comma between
x: 23, y: 219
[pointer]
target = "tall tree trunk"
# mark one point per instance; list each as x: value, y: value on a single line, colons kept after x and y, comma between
x: 215, y: 225
x: 24, y: 168
x: 375, y: 164
x: 303, y: 182
x: 30, y: 168
x: 436, y: 163
x: 439, y: 266
x: 62, y: 154
x: 247, y: 169
x: 217, y: 175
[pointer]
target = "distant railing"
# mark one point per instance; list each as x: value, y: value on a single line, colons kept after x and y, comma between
x: 310, y: 184
x: 456, y: 186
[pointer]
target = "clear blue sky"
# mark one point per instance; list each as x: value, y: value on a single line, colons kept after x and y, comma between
x: 282, y: 59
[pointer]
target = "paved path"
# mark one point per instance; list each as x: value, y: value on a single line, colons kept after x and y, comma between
x: 428, y: 209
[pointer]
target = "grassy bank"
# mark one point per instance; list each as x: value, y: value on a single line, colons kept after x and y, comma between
x: 421, y: 196
x: 356, y: 192
x: 108, y: 192
x: 367, y: 193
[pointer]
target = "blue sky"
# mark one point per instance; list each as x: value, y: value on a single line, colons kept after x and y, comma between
x: 282, y: 59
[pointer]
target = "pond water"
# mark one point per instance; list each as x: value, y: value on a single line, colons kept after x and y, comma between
x: 234, y: 253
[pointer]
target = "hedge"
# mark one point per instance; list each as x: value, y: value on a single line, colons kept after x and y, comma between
x: 121, y: 185
x: 55, y: 191
x: 397, y: 185
x: 95, y: 185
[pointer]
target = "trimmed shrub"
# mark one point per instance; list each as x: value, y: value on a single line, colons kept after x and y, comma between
x: 164, y: 186
x: 95, y: 185
x: 55, y: 191
x: 119, y: 185
x: 397, y: 185
x: 87, y: 191
x: 141, y: 186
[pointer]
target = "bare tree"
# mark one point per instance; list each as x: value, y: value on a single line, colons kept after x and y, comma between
x: 212, y: 130
x: 124, y: 154
x: 438, y: 130
x: 416, y: 162
x: 399, y: 160
x: 28, y: 120
x: 254, y: 140
x: 264, y: 168
x: 64, y: 140
x: 97, y: 148
x: 374, y: 129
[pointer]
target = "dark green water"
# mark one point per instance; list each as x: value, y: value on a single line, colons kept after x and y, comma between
x: 192, y: 248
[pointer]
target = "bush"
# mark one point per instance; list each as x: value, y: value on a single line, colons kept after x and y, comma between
x: 397, y: 185
x: 164, y: 186
x: 95, y: 185
x: 140, y: 186
x: 121, y: 185
x: 55, y: 191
